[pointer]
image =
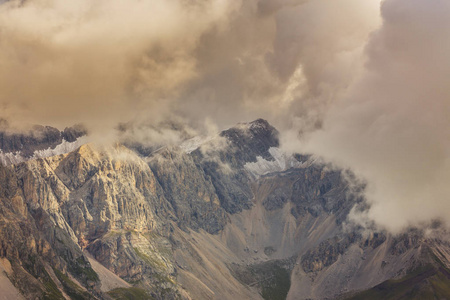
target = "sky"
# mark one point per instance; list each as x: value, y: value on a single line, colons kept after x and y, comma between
x: 362, y: 84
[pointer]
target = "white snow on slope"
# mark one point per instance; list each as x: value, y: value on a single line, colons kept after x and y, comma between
x: 281, y: 162
x: 194, y: 143
x: 63, y: 148
x: 12, y: 158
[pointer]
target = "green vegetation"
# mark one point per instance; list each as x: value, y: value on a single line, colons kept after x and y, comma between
x: 150, y: 260
x: 52, y: 291
x: 132, y: 293
x: 81, y: 269
x: 71, y: 288
x: 34, y: 267
x: 427, y: 282
x: 272, y: 277
x: 163, y: 278
x: 277, y: 287
x: 164, y: 249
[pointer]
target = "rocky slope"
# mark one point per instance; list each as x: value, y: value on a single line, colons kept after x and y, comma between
x: 38, y: 142
x: 229, y: 217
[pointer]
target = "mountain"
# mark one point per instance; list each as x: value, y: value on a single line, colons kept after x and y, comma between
x: 430, y: 279
x: 38, y: 142
x: 223, y: 217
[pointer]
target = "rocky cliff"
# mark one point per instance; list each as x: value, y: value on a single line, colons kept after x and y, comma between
x: 231, y: 218
x: 37, y: 142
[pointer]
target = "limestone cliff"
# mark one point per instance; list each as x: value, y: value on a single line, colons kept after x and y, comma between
x: 232, y: 218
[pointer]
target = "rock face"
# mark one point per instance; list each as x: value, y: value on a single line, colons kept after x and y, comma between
x: 223, y: 161
x: 189, y: 191
x: 111, y: 223
x: 40, y: 141
x: 38, y: 138
x: 36, y: 243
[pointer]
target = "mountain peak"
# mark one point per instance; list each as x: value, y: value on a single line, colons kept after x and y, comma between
x: 259, y: 123
x: 254, y: 138
x: 39, y: 141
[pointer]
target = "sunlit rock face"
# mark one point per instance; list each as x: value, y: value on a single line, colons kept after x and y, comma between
x: 226, y: 217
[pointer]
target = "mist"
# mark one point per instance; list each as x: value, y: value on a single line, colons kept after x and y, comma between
x: 362, y: 84
x: 108, y: 62
x: 99, y: 63
x: 392, y: 125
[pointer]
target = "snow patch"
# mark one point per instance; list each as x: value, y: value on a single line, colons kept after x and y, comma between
x: 281, y: 162
x: 12, y: 158
x: 257, y: 125
x: 63, y: 148
x: 194, y: 143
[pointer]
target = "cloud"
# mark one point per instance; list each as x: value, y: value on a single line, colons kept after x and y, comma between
x: 278, y: 59
x: 100, y: 62
x: 363, y: 87
x: 392, y: 126
x: 108, y: 62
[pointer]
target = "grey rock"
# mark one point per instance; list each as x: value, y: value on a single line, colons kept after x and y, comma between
x: 38, y: 138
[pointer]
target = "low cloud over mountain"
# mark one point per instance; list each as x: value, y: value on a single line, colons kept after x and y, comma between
x: 361, y: 83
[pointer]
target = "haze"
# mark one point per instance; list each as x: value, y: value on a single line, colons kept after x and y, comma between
x: 363, y: 84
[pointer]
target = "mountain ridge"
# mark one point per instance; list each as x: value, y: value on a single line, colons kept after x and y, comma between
x: 192, y: 225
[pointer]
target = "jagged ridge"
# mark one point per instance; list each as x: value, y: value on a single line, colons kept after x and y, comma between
x: 179, y: 225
